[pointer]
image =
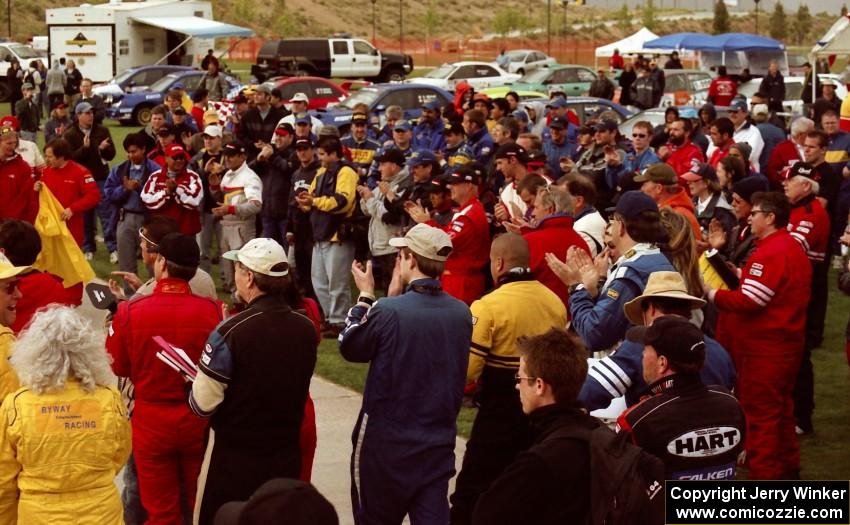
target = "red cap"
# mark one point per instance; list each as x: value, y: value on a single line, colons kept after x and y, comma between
x: 10, y: 122
x: 175, y: 150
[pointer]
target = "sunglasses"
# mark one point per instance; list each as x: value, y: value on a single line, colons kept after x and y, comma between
x: 639, y: 135
x: 178, y: 157
x: 11, y: 286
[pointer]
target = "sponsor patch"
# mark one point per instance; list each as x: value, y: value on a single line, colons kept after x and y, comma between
x: 711, y: 441
x: 613, y: 294
x: 726, y: 471
x: 474, y: 320
x: 755, y: 272
x: 758, y: 266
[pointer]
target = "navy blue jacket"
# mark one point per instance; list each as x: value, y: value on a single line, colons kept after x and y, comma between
x: 418, y: 346
x: 621, y: 374
x: 121, y: 197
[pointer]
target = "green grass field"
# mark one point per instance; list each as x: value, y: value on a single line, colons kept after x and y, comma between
x: 824, y: 454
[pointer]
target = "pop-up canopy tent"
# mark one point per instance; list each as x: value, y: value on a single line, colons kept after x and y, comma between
x: 720, y: 43
x: 634, y: 44
x: 836, y: 41
x: 680, y: 41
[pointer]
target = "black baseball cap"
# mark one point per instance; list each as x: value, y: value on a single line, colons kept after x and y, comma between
x: 559, y: 123
x: 393, y: 155
x: 454, y: 128
x: 359, y: 118
x: 180, y: 249
x: 511, y: 150
x: 633, y: 203
x: 233, y: 148
x: 165, y: 130
x: 304, y: 143
x: 463, y: 173
x: 605, y: 124
x: 749, y: 185
x: 179, y: 110
x: 674, y: 337
x: 280, y: 500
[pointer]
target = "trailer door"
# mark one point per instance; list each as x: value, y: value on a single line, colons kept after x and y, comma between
x: 91, y: 47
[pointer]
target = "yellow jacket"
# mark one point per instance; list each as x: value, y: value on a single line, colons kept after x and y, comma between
x: 8, y: 378
x: 59, y: 455
x: 500, y: 317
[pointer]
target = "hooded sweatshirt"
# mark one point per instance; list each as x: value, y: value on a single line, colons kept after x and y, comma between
x: 537, y: 125
x: 682, y: 204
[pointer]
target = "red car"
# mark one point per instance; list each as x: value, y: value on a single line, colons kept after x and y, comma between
x: 320, y: 91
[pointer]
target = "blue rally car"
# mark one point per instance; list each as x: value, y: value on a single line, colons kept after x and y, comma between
x: 410, y: 97
x: 135, y: 108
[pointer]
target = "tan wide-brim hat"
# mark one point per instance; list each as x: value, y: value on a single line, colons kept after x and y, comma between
x: 660, y: 284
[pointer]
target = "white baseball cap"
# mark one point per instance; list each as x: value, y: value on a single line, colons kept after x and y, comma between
x: 761, y: 109
x: 7, y: 269
x: 427, y: 241
x: 213, y: 131
x: 260, y: 255
x: 299, y: 97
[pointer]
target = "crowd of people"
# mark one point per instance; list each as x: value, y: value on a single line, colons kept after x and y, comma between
x: 507, y: 256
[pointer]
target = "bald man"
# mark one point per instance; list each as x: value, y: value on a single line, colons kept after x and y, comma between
x: 520, y: 306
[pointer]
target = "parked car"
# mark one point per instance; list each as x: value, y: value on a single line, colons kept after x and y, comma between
x: 410, y: 97
x: 588, y: 108
x: 655, y: 116
x: 793, y: 104
x: 571, y: 79
x: 320, y: 91
x: 133, y: 80
x: 135, y: 108
x: 329, y: 58
x: 500, y: 92
x: 479, y: 75
x: 24, y: 53
x: 680, y: 85
x: 526, y: 60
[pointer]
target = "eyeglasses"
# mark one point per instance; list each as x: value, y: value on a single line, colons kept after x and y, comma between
x: 11, y: 286
x: 152, y: 247
x: 754, y: 212
x: 519, y: 378
x: 639, y: 135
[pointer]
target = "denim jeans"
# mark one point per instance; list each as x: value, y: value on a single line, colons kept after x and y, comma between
x: 331, y: 274
x: 106, y: 213
x: 275, y: 229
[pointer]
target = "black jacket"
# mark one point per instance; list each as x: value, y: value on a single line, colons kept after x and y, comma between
x: 696, y: 430
x: 774, y: 89
x: 276, y: 174
x: 602, y: 88
x: 627, y: 78
x: 299, y: 220
x: 197, y: 165
x: 27, y: 112
x: 91, y: 157
x: 549, y: 482
x: 254, y: 127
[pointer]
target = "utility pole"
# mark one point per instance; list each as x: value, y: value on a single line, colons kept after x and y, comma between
x: 548, y: 27
x: 757, y: 15
x: 374, y: 25
x: 401, y: 25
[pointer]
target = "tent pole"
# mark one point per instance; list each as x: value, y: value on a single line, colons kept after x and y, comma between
x: 178, y: 46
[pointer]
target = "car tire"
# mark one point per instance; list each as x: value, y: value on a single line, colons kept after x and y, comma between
x: 5, y: 92
x: 142, y: 115
x: 520, y: 72
x: 393, y: 74
x: 304, y: 71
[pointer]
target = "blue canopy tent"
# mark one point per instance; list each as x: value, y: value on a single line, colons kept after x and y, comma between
x: 725, y: 43
x: 679, y: 41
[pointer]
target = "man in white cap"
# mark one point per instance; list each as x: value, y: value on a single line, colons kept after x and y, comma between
x: 298, y: 106
x: 9, y: 296
x: 252, y: 387
x: 209, y: 164
x: 418, y: 346
x: 621, y: 373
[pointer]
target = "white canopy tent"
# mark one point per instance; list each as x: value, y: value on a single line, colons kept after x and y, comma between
x: 836, y: 41
x: 633, y: 45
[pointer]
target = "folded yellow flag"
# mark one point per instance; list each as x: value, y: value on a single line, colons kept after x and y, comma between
x: 60, y: 254
x: 710, y: 275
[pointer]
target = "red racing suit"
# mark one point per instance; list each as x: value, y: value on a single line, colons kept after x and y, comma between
x: 766, y: 318
x: 168, y: 439
x: 16, y: 180
x: 809, y: 226
x: 183, y: 205
x: 463, y: 277
x: 74, y: 188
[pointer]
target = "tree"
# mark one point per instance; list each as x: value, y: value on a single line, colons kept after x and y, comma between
x: 624, y: 18
x: 648, y: 18
x: 720, y: 24
x: 778, y: 24
x: 430, y: 22
x: 286, y: 24
x: 803, y: 24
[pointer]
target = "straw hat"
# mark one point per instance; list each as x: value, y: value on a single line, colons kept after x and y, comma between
x: 661, y: 284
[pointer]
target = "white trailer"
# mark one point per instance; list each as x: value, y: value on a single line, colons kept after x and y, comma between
x: 106, y: 39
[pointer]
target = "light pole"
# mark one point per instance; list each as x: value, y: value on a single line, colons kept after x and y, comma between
x: 401, y: 25
x: 374, y: 25
x: 757, y: 15
x: 9, y: 17
x: 548, y: 27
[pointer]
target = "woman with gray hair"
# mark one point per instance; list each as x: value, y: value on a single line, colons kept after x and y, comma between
x: 64, y: 435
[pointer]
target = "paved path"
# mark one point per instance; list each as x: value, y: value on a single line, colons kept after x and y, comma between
x: 336, y: 414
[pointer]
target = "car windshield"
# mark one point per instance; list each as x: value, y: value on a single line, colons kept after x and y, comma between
x: 441, y: 72
x: 23, y: 52
x: 364, y: 96
x: 123, y: 76
x: 538, y: 76
x: 163, y: 83
x: 517, y: 56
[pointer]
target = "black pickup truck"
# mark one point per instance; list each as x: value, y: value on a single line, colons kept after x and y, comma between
x: 329, y: 58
